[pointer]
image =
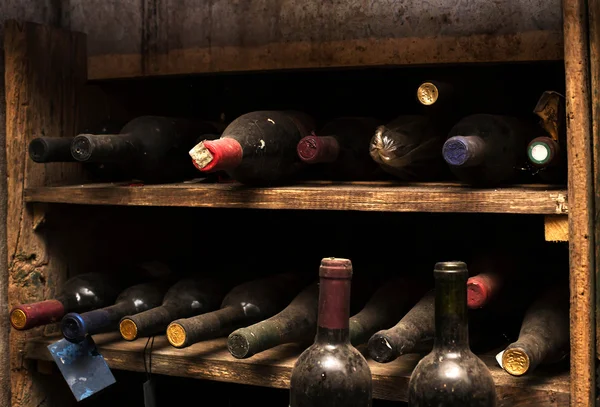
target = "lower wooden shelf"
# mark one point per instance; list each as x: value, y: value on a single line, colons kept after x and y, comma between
x: 211, y: 360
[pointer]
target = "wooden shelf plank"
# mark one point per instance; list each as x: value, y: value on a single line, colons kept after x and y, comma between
x: 376, y: 196
x: 210, y: 360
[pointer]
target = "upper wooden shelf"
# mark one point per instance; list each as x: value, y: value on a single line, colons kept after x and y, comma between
x: 373, y: 196
x: 210, y: 360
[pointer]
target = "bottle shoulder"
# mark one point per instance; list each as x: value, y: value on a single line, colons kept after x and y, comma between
x: 459, y: 375
x: 330, y: 362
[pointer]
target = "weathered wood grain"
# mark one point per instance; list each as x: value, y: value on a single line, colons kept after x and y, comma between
x: 580, y: 192
x: 45, y: 71
x: 594, y: 29
x: 164, y: 37
x: 324, y: 196
x: 211, y: 360
x: 556, y: 228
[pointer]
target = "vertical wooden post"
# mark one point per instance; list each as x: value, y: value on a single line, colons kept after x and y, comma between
x: 594, y: 28
x: 581, y: 202
x: 44, y: 75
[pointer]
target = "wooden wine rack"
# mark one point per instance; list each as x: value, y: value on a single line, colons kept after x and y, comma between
x: 46, y: 73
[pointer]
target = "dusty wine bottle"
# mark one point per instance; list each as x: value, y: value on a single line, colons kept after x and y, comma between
x: 83, y: 292
x: 544, y: 336
x: 408, y: 335
x: 257, y: 148
x: 331, y: 372
x: 135, y: 299
x: 409, y: 148
x: 547, y: 154
x: 149, y: 148
x: 487, y: 150
x: 186, y: 298
x: 295, y: 323
x: 387, y: 306
x: 245, y: 304
x: 451, y: 375
x: 340, y: 149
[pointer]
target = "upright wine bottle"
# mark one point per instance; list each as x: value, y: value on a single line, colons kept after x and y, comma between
x: 83, y: 292
x: 149, y: 148
x: 407, y: 336
x: 186, y: 298
x: 488, y: 150
x: 340, y: 148
x: 409, y: 148
x: 245, y: 304
x: 548, y: 154
x: 451, y: 375
x: 332, y: 372
x: 295, y: 323
x: 387, y: 305
x: 544, y: 336
x: 257, y: 148
x: 135, y: 299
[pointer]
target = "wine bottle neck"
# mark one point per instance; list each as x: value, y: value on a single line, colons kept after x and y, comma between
x: 334, y: 310
x: 313, y: 149
x: 51, y: 149
x: 451, y: 321
x: 543, y: 152
x: 464, y: 151
x: 215, y: 155
x: 103, y: 147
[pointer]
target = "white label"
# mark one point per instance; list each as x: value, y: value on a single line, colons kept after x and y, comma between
x: 499, y: 359
x: 540, y: 152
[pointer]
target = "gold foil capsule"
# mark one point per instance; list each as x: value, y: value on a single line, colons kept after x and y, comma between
x: 128, y: 329
x: 18, y: 319
x: 515, y: 361
x: 428, y: 93
x: 176, y: 335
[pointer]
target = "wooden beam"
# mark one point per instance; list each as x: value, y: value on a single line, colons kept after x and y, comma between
x: 526, y: 46
x: 594, y: 27
x: 210, y: 360
x: 390, y: 197
x: 556, y: 228
x: 172, y: 37
x: 45, y: 72
x: 580, y: 192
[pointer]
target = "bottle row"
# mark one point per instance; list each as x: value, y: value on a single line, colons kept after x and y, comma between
x: 393, y: 319
x: 275, y: 147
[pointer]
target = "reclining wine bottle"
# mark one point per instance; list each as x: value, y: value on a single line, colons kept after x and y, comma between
x: 244, y: 305
x: 340, y: 149
x: 257, y: 148
x: 387, y: 305
x: 548, y: 153
x: 332, y: 372
x: 407, y: 336
x: 186, y: 298
x: 409, y: 148
x: 58, y: 149
x: 295, y: 323
x: 81, y: 293
x: 149, y: 148
x: 544, y: 336
x: 488, y: 150
x: 135, y: 299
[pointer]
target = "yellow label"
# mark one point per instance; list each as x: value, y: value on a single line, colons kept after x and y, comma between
x: 515, y: 361
x: 176, y: 335
x: 18, y: 319
x: 427, y: 93
x: 128, y: 329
